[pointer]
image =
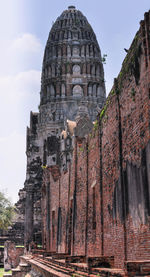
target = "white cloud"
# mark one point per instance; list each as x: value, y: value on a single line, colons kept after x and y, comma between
x: 19, y: 94
x: 21, y: 59
x: 20, y: 54
x: 12, y: 164
x: 27, y: 43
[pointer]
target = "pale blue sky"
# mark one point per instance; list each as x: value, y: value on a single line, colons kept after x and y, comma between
x: 24, y: 29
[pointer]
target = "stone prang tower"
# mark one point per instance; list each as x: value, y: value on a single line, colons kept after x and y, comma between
x: 72, y: 85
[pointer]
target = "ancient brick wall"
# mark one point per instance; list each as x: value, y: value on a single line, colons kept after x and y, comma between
x: 80, y: 200
x: 124, y: 133
x: 101, y: 204
x: 12, y: 255
x: 94, y: 236
x: 63, y: 212
x: 135, y: 123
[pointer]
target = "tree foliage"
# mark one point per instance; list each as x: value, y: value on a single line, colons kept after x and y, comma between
x: 6, y: 212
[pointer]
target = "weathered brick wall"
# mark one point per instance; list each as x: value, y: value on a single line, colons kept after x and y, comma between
x: 63, y: 212
x: 102, y: 203
x: 124, y: 154
x: 94, y: 236
x: 135, y: 123
x: 53, y: 200
x: 80, y: 200
x: 112, y: 228
x: 45, y: 212
x: 12, y: 255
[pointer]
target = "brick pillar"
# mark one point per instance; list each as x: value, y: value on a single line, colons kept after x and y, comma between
x: 48, y: 216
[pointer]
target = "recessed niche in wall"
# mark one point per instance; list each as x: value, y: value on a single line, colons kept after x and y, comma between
x: 76, y: 69
x: 77, y: 91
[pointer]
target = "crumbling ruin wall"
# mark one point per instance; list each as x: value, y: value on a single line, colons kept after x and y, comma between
x: 135, y: 125
x: 79, y: 200
x: 12, y: 255
x: 106, y: 197
x: 124, y: 132
x: 32, y: 186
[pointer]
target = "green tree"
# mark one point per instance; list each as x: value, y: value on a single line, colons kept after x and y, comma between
x: 6, y: 212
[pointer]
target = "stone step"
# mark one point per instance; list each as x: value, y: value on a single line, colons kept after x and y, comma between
x: 138, y: 268
x: 7, y: 275
x: 81, y: 269
x: 22, y: 261
x: 101, y: 261
x: 20, y: 271
x: 79, y: 266
x: 67, y: 270
x: 57, y: 267
x: 108, y: 272
x: 60, y: 262
x: 81, y: 273
x: 84, y: 274
x: 48, y: 270
x: 16, y: 272
x: 24, y: 267
x: 75, y: 259
x: 70, y: 270
x: 60, y: 268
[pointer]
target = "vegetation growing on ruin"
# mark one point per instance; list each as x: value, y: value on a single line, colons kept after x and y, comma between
x: 103, y: 111
x: 130, y: 64
x: 130, y: 67
x: 44, y: 166
x: 96, y: 125
x: 6, y: 212
x: 81, y: 149
x: 104, y: 59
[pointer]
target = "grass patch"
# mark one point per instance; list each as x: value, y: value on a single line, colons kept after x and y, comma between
x: 2, y: 271
x: 2, y: 246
